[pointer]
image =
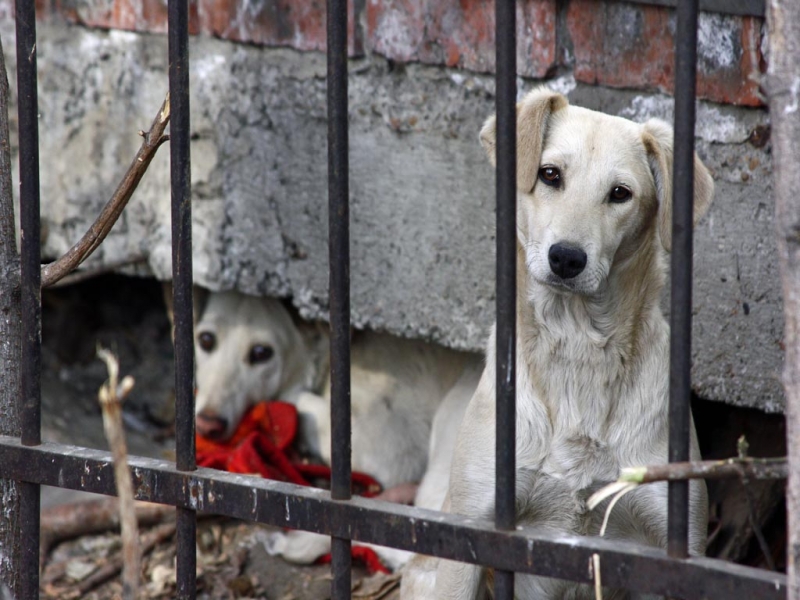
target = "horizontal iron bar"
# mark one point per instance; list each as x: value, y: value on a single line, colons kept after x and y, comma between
x: 623, y: 565
x: 753, y: 8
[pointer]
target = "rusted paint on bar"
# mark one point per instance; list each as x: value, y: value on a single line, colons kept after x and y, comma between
x: 623, y: 564
x: 680, y: 358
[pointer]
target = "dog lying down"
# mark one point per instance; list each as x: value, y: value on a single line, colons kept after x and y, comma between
x: 249, y: 349
x: 594, y: 224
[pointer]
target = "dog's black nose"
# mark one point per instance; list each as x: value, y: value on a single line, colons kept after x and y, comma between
x: 566, y: 261
x: 210, y: 425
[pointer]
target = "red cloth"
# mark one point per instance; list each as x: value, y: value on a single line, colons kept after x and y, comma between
x: 261, y: 445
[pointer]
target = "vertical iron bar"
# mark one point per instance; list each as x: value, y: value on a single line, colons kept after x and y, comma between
x: 681, y: 268
x: 339, y: 252
x: 506, y: 193
x: 31, y: 309
x: 180, y: 178
x: 29, y: 220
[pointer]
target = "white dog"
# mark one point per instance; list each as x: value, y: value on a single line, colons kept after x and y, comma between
x: 594, y: 222
x: 249, y: 350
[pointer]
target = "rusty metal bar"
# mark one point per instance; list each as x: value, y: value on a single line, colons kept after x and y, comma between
x: 339, y: 252
x: 180, y: 179
x: 31, y: 289
x: 623, y: 564
x: 506, y: 280
x: 680, y: 380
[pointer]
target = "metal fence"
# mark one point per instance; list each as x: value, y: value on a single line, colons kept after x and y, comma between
x: 501, y: 547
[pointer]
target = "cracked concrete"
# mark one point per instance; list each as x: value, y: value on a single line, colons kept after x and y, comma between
x: 422, y: 192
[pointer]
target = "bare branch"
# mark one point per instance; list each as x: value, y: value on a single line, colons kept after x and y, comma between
x: 96, y: 271
x: 68, y: 521
x: 749, y: 468
x: 113, y: 209
x: 118, y: 563
x: 112, y: 393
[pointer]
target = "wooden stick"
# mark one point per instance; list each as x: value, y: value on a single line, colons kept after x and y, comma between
x: 97, y: 270
x: 111, y: 396
x: 68, y: 521
x: 113, y: 209
x: 749, y: 468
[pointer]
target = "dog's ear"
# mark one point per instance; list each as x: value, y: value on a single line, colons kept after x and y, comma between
x: 533, y: 113
x: 199, y: 299
x: 658, y: 139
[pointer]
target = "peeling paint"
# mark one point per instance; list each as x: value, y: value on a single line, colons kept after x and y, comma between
x: 794, y: 91
x: 564, y: 84
x: 206, y: 66
x: 716, y: 41
x: 711, y: 124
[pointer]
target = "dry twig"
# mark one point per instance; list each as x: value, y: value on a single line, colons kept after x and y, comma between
x: 69, y: 521
x: 97, y: 270
x: 742, y: 467
x: 113, y: 209
x: 118, y: 562
x: 112, y: 394
x: 750, y: 468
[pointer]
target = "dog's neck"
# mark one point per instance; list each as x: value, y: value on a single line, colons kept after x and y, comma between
x: 579, y: 353
x: 612, y: 317
x: 306, y: 365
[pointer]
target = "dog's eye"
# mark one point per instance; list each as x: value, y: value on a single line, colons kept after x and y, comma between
x: 207, y: 340
x: 260, y: 354
x: 550, y: 176
x: 620, y: 194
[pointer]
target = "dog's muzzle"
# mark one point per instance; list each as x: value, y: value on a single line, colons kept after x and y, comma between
x: 566, y: 261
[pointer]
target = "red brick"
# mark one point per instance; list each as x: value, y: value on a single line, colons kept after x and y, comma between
x: 460, y: 33
x: 623, y: 45
x: 300, y: 24
x: 131, y: 15
x: 738, y: 82
x: 8, y: 9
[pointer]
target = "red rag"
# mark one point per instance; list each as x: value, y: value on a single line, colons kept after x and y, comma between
x: 259, y: 447
x: 364, y: 555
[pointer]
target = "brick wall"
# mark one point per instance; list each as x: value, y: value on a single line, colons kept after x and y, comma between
x: 608, y: 43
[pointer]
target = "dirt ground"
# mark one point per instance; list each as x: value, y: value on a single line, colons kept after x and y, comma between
x: 127, y: 316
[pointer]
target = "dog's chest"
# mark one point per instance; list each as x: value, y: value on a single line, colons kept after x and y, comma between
x: 578, y: 380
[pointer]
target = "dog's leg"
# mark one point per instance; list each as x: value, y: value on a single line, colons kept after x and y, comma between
x: 471, y: 490
x: 419, y: 578
x: 305, y: 547
x: 460, y: 581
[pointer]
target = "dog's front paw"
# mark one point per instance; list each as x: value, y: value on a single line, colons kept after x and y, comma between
x: 300, y: 547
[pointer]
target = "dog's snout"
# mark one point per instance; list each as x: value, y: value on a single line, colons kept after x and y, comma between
x: 210, y: 425
x: 566, y: 261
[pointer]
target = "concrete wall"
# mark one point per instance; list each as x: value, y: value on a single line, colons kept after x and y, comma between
x: 422, y: 191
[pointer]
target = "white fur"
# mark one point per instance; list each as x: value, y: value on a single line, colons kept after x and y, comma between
x: 592, y: 351
x: 397, y: 386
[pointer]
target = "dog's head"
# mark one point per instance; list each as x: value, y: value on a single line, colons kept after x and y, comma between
x: 246, y: 351
x: 593, y: 189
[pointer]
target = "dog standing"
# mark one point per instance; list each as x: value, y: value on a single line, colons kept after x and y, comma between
x: 594, y: 221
